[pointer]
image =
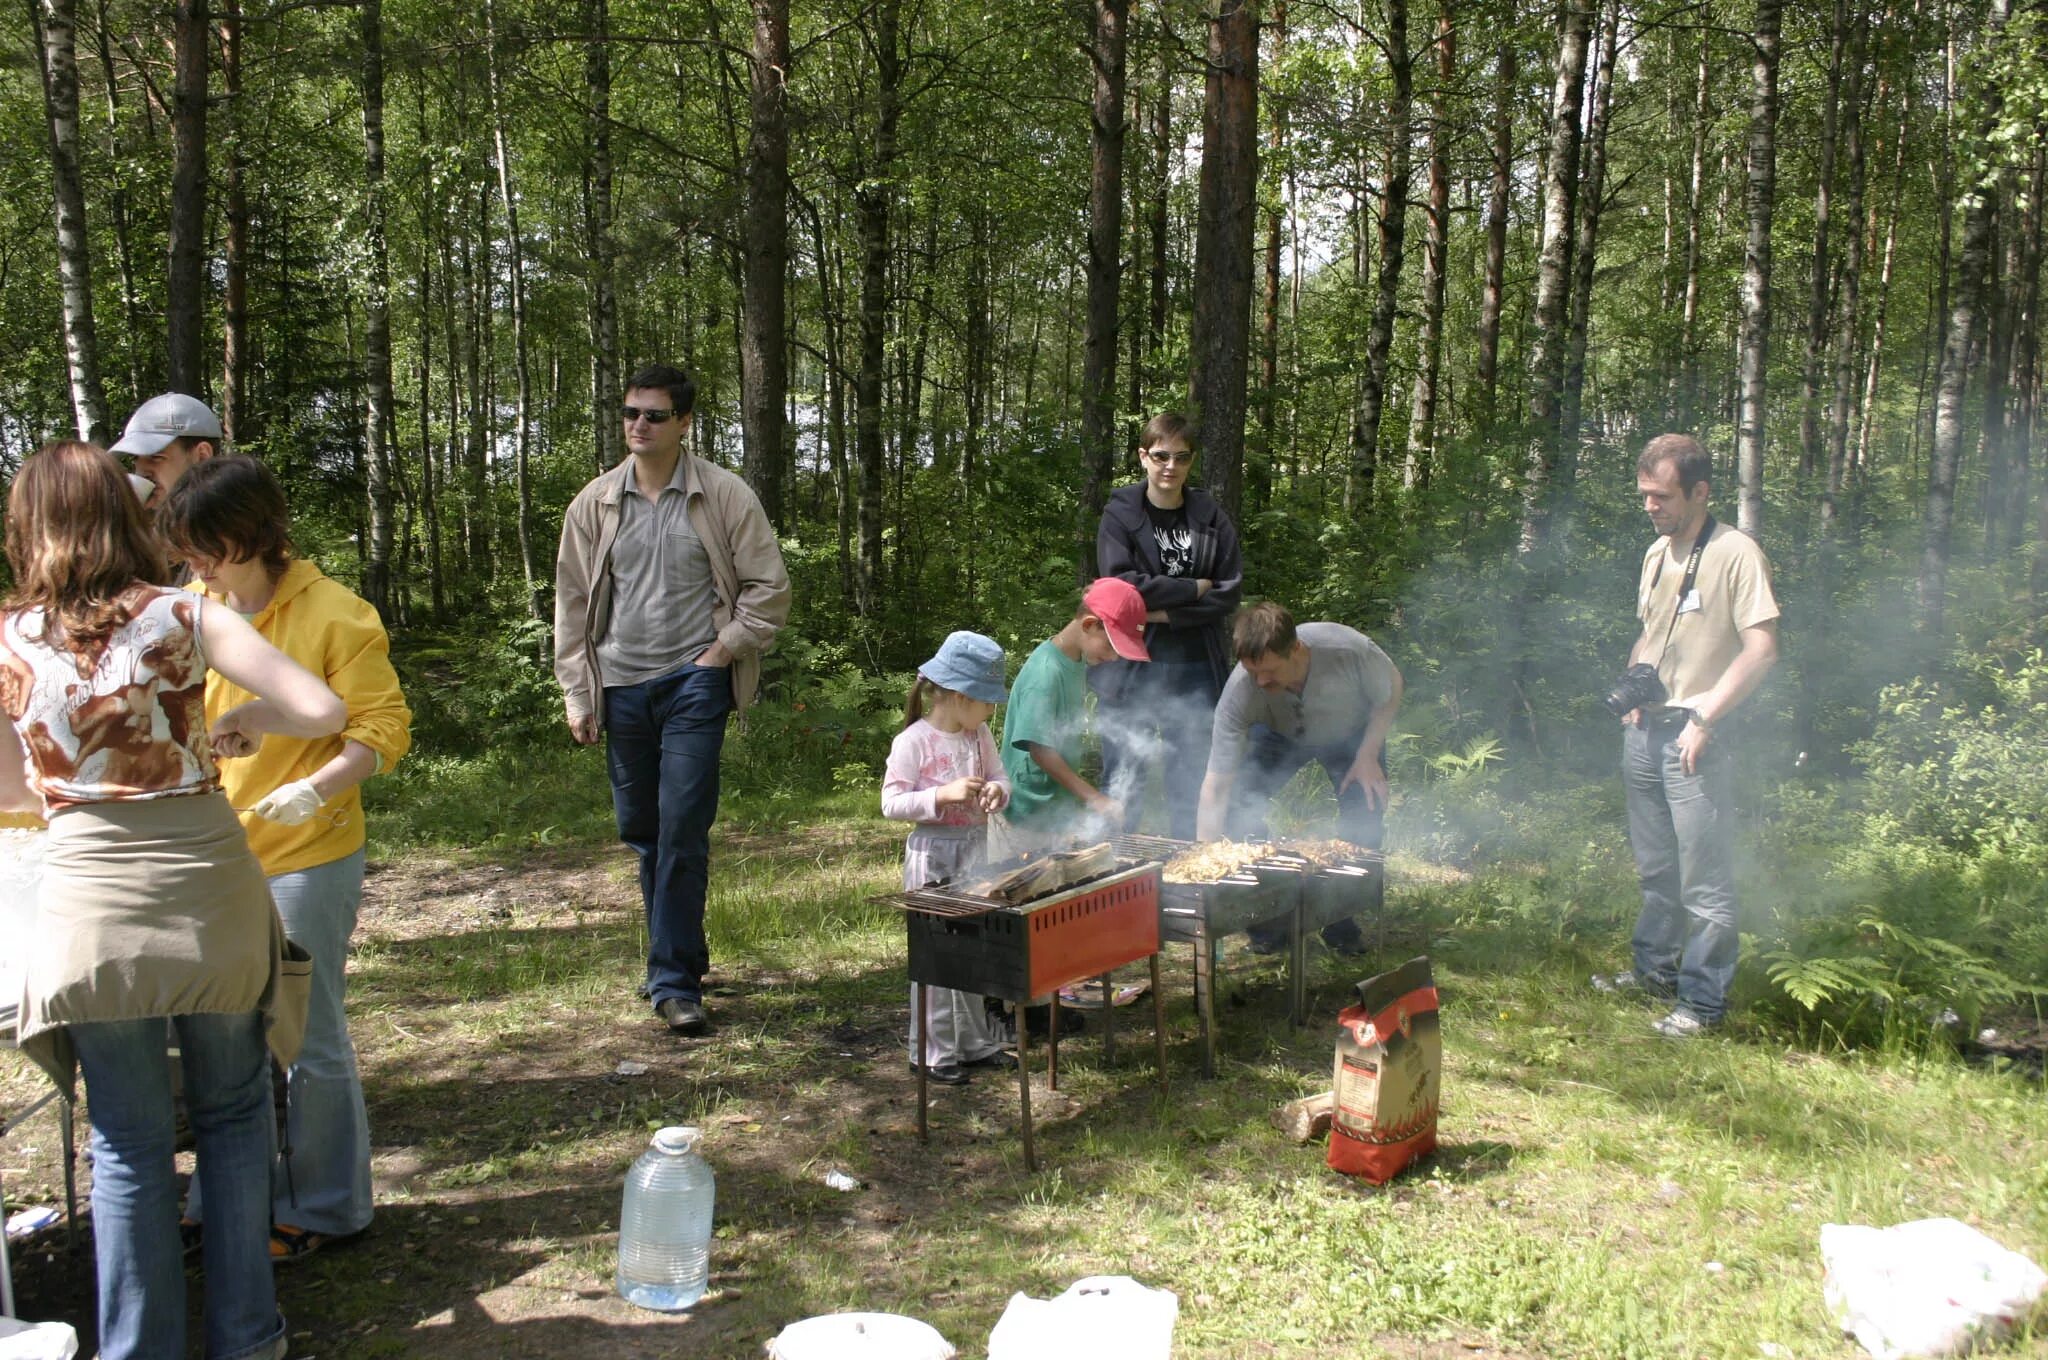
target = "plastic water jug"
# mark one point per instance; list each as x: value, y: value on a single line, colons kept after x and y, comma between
x: 665, y: 1224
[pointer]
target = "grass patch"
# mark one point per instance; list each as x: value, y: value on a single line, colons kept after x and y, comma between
x: 1600, y: 1192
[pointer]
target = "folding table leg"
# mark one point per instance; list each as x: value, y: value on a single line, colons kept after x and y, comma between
x: 1159, y: 1021
x: 1052, y: 1043
x: 1024, y: 1089
x: 67, y: 1114
x: 1297, y: 966
x: 924, y: 1006
x: 1108, y: 1022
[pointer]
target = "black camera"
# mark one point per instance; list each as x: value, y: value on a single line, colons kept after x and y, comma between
x: 1638, y: 687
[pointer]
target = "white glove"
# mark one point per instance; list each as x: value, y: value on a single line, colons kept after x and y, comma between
x: 289, y: 804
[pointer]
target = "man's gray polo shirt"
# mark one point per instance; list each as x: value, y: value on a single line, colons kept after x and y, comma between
x: 1348, y: 677
x: 662, y: 600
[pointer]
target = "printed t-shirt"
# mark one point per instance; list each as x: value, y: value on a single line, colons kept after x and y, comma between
x: 1348, y: 677
x: 1175, y: 540
x: 1734, y: 590
x: 1047, y: 708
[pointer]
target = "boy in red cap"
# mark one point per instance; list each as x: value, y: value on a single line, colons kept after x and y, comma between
x: 1048, y: 716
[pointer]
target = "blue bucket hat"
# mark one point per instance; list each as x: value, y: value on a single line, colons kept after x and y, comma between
x: 969, y: 664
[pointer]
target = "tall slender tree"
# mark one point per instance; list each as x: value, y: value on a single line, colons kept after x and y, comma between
x: 1497, y: 199
x: 608, y: 443
x: 1553, y: 275
x: 57, y: 24
x: 183, y: 319
x: 377, y: 413
x: 1435, y: 255
x: 1392, y: 233
x: 764, y: 379
x: 1108, y: 20
x: 1754, y: 338
x: 522, y: 362
x: 1228, y: 202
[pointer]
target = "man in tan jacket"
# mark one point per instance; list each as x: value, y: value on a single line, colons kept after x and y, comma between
x: 668, y: 587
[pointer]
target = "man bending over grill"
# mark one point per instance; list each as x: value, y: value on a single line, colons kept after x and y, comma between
x: 1310, y: 692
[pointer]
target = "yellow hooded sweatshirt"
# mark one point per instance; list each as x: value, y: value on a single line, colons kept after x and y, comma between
x: 334, y: 633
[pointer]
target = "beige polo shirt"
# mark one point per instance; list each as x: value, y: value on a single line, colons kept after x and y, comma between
x: 1733, y: 592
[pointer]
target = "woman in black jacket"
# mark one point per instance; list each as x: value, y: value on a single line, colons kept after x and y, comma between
x: 1177, y: 546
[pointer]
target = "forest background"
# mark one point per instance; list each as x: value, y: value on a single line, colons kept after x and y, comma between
x: 1427, y: 277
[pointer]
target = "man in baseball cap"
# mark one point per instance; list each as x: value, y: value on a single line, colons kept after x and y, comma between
x: 1048, y: 714
x: 168, y: 434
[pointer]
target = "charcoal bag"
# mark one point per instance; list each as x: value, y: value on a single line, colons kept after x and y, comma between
x: 1389, y: 1068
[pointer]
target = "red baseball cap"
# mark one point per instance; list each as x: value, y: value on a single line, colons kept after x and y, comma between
x: 1122, y: 611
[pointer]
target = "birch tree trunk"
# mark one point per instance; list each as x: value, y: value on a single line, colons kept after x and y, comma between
x: 1585, y: 252
x: 1393, y: 231
x: 57, y: 46
x: 1695, y: 208
x: 606, y: 382
x: 1554, y: 276
x: 1435, y: 257
x: 1848, y: 320
x: 1811, y: 438
x: 1754, y: 337
x: 764, y: 379
x: 1945, y: 460
x: 376, y: 318
x: 234, y: 365
x: 872, y: 203
x: 183, y: 322
x: 1099, y: 442
x: 1228, y: 199
x: 515, y: 260
x: 1498, y: 189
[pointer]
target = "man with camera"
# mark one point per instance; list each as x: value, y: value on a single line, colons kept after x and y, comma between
x: 1710, y: 634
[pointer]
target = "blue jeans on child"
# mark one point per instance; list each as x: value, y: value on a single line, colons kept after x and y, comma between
x: 662, y: 742
x: 135, y: 1185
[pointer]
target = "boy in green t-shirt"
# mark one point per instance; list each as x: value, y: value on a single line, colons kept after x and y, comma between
x: 1046, y: 719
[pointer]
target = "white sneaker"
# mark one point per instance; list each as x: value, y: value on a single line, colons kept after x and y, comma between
x: 1616, y: 984
x: 1679, y: 1025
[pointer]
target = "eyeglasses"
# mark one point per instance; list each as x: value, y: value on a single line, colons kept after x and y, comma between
x: 1177, y: 458
x: 652, y: 415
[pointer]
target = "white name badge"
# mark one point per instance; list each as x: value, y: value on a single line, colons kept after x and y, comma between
x: 1691, y: 603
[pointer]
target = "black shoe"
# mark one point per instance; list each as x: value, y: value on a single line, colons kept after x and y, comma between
x: 1001, y: 1060
x: 645, y: 991
x: 683, y: 1016
x: 945, y: 1074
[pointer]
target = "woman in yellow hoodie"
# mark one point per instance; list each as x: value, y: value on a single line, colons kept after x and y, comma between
x: 302, y: 807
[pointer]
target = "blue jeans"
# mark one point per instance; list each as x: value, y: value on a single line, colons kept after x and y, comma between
x: 1682, y: 829
x: 135, y: 1185
x: 322, y: 1183
x: 1270, y: 761
x: 662, y: 742
x: 1165, y: 718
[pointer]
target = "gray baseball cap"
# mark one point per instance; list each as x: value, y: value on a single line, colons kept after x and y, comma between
x: 161, y: 419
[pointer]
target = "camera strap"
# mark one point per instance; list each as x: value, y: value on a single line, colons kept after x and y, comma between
x: 1692, y: 576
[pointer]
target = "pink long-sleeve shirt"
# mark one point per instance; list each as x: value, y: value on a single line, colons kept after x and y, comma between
x: 922, y: 758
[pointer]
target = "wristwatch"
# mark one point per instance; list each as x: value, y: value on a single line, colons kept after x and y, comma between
x: 1693, y: 716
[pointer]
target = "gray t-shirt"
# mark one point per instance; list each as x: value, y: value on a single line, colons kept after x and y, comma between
x: 1348, y: 677
x: 662, y: 600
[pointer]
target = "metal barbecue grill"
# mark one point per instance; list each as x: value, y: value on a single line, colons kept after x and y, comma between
x: 1017, y: 952
x: 1279, y: 888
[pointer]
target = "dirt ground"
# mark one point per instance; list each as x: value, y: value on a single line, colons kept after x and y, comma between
x: 503, y: 1123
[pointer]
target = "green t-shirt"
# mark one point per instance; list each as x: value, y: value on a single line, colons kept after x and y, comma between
x: 1047, y: 708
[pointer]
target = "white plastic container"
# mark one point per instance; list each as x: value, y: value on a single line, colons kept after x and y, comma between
x: 859, y: 1336
x: 665, y: 1224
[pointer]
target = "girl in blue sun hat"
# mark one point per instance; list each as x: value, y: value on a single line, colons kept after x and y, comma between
x: 945, y: 775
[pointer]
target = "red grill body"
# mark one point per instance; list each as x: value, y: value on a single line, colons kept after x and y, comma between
x: 1017, y: 953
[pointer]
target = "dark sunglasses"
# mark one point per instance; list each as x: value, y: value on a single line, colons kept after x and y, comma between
x: 1180, y: 459
x: 652, y: 415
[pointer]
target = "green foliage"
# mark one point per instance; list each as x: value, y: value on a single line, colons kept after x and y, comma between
x: 481, y: 687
